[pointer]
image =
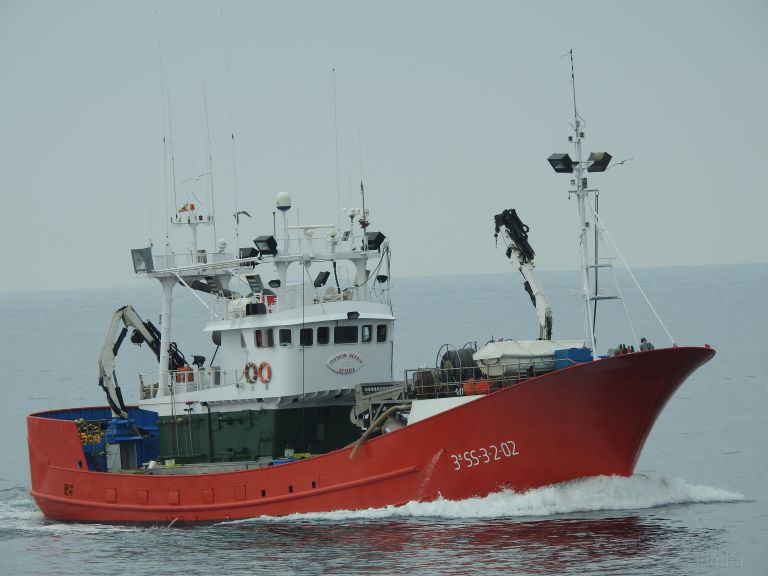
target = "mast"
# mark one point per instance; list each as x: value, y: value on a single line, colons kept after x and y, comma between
x: 581, y: 196
x: 597, y: 162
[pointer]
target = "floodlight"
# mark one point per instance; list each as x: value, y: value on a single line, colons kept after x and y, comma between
x: 374, y: 240
x: 599, y: 160
x: 248, y: 253
x: 266, y: 245
x: 142, y: 260
x: 322, y: 278
x: 561, y: 163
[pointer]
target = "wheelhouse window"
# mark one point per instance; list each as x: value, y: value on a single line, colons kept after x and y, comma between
x: 285, y: 337
x: 323, y: 335
x: 381, y: 333
x: 305, y: 337
x: 345, y: 334
x: 367, y: 333
x: 264, y: 338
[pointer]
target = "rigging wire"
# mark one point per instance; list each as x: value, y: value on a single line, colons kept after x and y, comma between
x: 594, y: 309
x: 303, y: 364
x: 631, y: 274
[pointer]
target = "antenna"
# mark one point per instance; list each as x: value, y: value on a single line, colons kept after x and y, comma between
x: 210, y: 164
x: 573, y: 85
x: 231, y: 125
x: 162, y: 113
x: 173, y: 158
x: 336, y: 139
x: 364, y: 219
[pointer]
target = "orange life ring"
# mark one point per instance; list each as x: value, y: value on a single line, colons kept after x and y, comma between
x: 249, y: 372
x: 264, y: 372
x: 185, y: 374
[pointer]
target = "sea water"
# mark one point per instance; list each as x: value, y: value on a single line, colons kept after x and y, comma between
x: 698, y: 503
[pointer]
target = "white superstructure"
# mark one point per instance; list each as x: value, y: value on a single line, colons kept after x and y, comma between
x: 301, y: 317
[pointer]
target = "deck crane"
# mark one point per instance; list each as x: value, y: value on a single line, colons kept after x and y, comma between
x: 520, y: 253
x: 143, y: 331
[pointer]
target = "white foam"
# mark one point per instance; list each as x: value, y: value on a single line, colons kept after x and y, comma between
x: 18, y: 512
x: 585, y: 495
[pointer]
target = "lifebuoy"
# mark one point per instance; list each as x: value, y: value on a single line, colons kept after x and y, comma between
x: 185, y: 374
x: 249, y: 372
x: 264, y: 372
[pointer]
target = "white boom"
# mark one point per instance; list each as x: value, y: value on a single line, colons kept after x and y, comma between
x: 122, y: 319
x: 520, y: 253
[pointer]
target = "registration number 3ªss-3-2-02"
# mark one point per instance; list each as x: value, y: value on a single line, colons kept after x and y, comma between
x: 484, y: 455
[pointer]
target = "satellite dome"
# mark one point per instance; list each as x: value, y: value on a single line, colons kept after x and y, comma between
x: 283, y: 201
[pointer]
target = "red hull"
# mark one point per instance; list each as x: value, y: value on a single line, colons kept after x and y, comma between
x: 587, y: 420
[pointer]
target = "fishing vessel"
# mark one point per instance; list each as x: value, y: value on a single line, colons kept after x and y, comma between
x: 299, y: 410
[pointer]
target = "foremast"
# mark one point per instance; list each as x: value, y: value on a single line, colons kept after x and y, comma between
x: 597, y: 162
x: 581, y: 196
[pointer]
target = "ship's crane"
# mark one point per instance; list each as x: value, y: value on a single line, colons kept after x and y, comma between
x: 520, y: 253
x: 143, y: 331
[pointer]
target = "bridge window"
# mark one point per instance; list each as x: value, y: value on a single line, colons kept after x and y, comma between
x: 305, y: 337
x: 381, y: 333
x: 264, y: 338
x: 323, y: 335
x: 367, y: 332
x: 285, y: 337
x: 345, y: 334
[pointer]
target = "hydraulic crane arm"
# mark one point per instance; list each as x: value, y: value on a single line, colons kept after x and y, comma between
x: 521, y: 254
x: 123, y: 319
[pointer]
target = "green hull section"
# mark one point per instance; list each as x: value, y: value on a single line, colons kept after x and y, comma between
x: 250, y: 434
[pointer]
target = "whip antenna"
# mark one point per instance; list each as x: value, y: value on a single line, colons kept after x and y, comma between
x: 231, y: 125
x: 162, y: 114
x: 336, y: 141
x: 210, y: 163
x: 573, y: 85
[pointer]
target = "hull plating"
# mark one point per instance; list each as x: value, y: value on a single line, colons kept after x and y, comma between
x: 588, y: 420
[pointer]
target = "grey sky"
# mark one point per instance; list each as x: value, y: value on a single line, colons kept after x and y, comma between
x: 458, y: 105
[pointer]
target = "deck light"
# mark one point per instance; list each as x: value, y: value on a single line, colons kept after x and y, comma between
x: 322, y: 278
x: 374, y: 240
x: 599, y: 160
x: 248, y: 253
x: 142, y: 260
x: 561, y: 162
x: 266, y: 245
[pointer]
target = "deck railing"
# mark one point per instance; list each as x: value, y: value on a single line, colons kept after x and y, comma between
x: 428, y: 383
x: 183, y: 381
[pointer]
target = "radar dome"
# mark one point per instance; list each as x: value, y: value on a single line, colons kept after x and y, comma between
x: 283, y: 201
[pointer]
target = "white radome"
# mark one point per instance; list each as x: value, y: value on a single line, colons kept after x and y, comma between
x: 283, y: 201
